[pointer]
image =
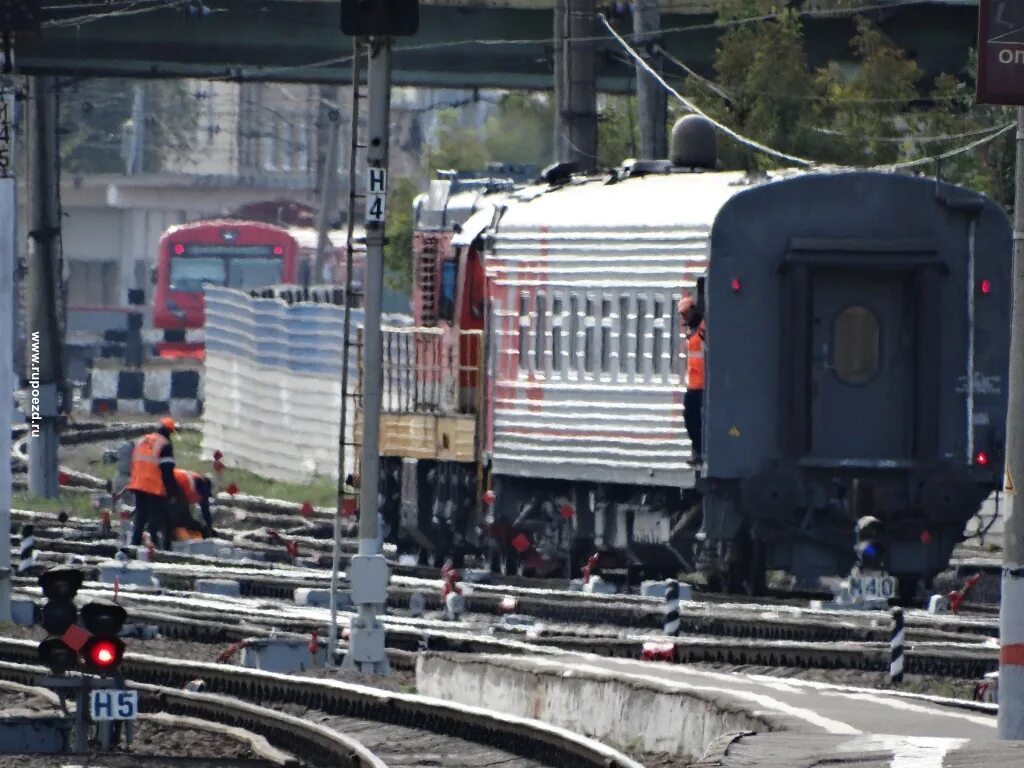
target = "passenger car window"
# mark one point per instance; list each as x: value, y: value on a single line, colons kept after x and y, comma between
x: 856, y: 345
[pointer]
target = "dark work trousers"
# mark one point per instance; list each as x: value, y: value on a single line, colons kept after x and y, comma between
x: 693, y: 407
x: 150, y: 513
x: 179, y: 515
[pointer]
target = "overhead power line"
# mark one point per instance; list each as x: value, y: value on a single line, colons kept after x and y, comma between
x: 745, y: 141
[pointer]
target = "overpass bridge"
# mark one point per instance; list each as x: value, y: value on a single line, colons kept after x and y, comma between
x: 461, y: 43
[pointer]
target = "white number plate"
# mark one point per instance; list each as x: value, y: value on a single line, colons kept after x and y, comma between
x: 873, y: 587
x: 114, y: 705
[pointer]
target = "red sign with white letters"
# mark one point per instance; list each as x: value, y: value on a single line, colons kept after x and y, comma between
x: 1001, y: 52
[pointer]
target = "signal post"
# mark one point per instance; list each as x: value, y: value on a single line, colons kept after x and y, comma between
x: 377, y: 20
x: 88, y: 642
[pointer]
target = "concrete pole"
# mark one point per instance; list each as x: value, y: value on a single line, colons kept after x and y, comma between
x: 1011, y: 613
x: 332, y: 640
x: 559, y: 34
x: 7, y: 260
x: 581, y: 101
x: 651, y: 99
x: 44, y: 345
x: 328, y: 188
x: 138, y: 136
x: 369, y: 570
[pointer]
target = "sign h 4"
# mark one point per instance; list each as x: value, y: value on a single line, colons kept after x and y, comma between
x: 376, y: 195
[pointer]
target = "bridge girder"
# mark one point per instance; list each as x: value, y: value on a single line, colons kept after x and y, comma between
x: 504, y: 44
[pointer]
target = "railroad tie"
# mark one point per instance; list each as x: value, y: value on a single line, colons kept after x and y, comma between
x: 672, y: 609
x: 26, y: 551
x: 896, y: 646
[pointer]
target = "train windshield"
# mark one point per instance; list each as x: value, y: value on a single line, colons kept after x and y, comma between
x: 254, y: 272
x: 236, y: 266
x: 191, y: 274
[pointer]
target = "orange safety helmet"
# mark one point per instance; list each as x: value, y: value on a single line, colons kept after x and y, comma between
x: 168, y: 423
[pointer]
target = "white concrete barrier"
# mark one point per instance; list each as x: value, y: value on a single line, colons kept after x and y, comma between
x: 631, y: 713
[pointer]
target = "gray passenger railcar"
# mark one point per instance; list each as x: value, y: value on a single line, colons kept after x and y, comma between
x: 857, y: 362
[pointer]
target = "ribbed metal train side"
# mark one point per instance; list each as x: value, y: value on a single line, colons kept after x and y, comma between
x: 588, y: 357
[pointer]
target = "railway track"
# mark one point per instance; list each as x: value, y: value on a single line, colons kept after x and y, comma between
x: 767, y: 622
x: 392, y: 729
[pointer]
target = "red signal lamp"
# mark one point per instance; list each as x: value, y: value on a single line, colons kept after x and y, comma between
x: 981, y: 458
x: 179, y: 249
x: 985, y: 286
x: 278, y: 250
x: 103, y: 653
x: 489, y: 497
x: 735, y: 285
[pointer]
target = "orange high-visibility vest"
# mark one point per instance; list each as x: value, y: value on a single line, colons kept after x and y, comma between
x: 695, y: 359
x: 146, y: 463
x: 187, y: 482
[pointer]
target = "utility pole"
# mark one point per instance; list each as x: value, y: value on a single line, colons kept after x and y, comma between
x: 558, y: 36
x: 1011, y: 610
x: 369, y: 570
x: 7, y: 261
x: 577, y: 108
x: 328, y: 188
x: 651, y: 99
x: 44, y: 345
x: 332, y: 640
x: 137, y: 138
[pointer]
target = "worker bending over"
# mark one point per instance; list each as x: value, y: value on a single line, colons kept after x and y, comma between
x: 194, y: 488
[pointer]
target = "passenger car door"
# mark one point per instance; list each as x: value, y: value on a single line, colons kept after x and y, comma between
x: 861, y: 365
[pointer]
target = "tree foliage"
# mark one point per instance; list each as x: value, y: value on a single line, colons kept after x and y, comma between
x: 398, y: 249
x: 96, y: 114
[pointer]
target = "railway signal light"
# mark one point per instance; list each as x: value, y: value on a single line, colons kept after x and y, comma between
x: 365, y: 18
x: 59, y: 651
x: 103, y: 651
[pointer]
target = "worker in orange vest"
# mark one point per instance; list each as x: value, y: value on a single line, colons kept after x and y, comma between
x: 692, y: 315
x: 194, y: 489
x: 153, y: 482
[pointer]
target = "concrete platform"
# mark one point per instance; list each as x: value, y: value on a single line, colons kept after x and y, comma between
x: 725, y: 720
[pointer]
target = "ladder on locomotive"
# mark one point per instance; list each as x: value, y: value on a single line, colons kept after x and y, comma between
x: 351, y: 392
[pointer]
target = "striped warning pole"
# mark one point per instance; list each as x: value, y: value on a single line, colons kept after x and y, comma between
x: 672, y: 609
x: 26, y: 552
x: 896, y: 647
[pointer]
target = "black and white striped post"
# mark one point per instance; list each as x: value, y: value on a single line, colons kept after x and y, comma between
x: 26, y: 551
x: 896, y: 647
x: 672, y: 609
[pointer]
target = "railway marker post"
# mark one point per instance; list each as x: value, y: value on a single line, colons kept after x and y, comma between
x: 896, y: 642
x: 1001, y: 81
x: 672, y: 609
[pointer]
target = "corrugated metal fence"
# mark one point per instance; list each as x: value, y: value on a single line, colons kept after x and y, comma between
x: 273, y: 383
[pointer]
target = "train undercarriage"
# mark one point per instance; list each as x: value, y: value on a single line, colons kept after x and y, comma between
x: 438, y: 511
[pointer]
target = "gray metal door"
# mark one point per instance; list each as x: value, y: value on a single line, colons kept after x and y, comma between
x: 862, y: 365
